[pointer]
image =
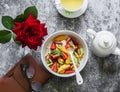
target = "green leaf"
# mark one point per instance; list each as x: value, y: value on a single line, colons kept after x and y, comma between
x: 19, y: 18
x: 56, y: 52
x: 32, y: 10
x: 17, y: 42
x: 8, y: 22
x: 68, y: 12
x: 5, y: 36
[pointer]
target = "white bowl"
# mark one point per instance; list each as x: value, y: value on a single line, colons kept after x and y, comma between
x: 50, y: 39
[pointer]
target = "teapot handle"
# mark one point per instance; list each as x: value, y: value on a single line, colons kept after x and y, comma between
x: 91, y: 33
x: 117, y: 51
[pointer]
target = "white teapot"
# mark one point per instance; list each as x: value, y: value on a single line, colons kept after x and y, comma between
x: 104, y: 43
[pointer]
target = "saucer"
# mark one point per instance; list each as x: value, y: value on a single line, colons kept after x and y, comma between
x: 68, y: 14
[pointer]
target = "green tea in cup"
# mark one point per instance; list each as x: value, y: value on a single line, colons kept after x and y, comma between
x: 72, y: 5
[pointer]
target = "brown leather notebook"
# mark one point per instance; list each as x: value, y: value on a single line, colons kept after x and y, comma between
x: 17, y: 80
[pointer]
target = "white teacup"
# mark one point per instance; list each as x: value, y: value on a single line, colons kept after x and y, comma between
x: 71, y: 13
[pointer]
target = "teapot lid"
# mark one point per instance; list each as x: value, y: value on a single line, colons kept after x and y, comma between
x: 106, y: 39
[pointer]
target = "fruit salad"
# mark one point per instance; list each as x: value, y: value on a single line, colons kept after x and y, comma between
x: 58, y: 57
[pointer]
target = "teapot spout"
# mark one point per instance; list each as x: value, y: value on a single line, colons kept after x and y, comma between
x: 91, y: 33
x: 117, y: 51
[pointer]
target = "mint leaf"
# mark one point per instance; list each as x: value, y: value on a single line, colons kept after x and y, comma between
x: 8, y: 22
x: 19, y: 18
x: 17, y: 42
x: 68, y: 12
x: 32, y: 10
x: 5, y: 36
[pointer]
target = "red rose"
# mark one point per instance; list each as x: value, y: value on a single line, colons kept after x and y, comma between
x: 30, y: 32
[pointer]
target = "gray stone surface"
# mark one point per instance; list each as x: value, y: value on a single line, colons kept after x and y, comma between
x: 100, y: 74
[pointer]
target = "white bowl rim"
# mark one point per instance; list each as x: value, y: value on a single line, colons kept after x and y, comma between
x: 64, y: 75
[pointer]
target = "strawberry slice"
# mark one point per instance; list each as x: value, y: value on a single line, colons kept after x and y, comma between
x: 69, y: 71
x: 55, y: 56
x: 67, y: 46
x: 54, y: 67
x: 68, y: 39
x: 58, y: 42
x: 64, y: 55
x: 53, y: 46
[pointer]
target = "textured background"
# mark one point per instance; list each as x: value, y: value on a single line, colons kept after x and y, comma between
x: 100, y: 74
